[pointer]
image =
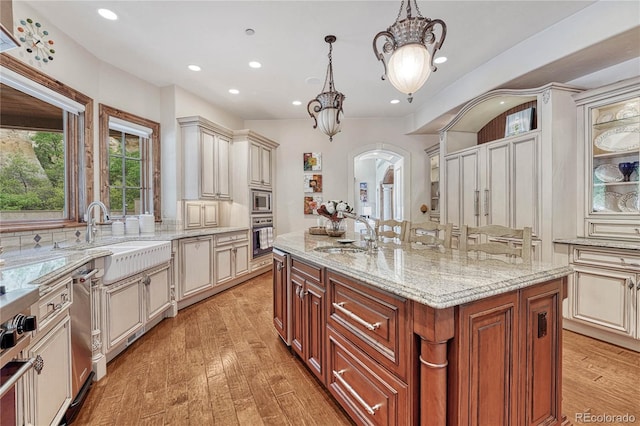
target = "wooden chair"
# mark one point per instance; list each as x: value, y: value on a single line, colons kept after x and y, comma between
x: 429, y: 233
x: 498, y: 247
x: 391, y: 228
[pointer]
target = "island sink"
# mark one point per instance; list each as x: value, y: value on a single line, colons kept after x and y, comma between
x: 132, y: 257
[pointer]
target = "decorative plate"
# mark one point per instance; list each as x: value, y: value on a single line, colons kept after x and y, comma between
x: 606, y: 202
x: 629, y: 202
x: 626, y: 112
x: 604, y: 118
x: 609, y: 173
x: 624, y: 138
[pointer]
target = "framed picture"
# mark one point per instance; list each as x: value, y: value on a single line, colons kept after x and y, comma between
x: 519, y: 122
x: 312, y: 183
x: 312, y: 161
x: 364, y: 196
x: 311, y: 204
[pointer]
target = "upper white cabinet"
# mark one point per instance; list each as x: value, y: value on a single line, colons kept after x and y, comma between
x: 255, y: 152
x: 492, y: 176
x: 207, y: 158
x: 609, y: 152
x: 260, y: 168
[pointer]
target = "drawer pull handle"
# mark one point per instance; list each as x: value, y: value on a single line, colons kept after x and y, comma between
x: 627, y: 263
x: 369, y: 326
x: 347, y: 386
x: 630, y: 283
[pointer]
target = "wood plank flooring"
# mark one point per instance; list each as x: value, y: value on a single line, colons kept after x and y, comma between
x: 220, y: 362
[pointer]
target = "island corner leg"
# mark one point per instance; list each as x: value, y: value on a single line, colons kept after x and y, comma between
x: 434, y: 327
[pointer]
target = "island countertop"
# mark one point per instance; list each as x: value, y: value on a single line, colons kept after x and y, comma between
x: 431, y: 276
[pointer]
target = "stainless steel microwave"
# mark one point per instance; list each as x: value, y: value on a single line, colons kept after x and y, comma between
x: 261, y: 201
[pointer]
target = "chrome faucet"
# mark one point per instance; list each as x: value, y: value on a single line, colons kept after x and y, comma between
x: 91, y: 221
x: 371, y: 237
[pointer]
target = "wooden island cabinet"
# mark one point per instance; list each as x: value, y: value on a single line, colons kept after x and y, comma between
x: 407, y: 336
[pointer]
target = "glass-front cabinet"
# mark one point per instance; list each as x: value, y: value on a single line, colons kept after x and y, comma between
x: 434, y: 181
x: 610, y: 121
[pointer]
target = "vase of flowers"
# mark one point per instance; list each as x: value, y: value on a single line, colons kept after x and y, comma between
x: 335, y: 212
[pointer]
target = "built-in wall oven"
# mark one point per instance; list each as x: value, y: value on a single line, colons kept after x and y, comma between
x: 261, y: 235
x: 261, y: 202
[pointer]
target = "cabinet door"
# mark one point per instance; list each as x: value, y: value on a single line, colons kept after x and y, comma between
x: 603, y: 298
x: 255, y: 165
x: 298, y: 322
x: 209, y: 214
x: 265, y: 157
x: 241, y: 259
x: 525, y: 173
x: 208, y: 165
x: 125, y: 313
x: 314, y: 301
x: 51, y: 389
x: 280, y: 310
x: 224, y: 264
x: 158, y: 292
x: 196, y: 265
x: 470, y: 188
x: 451, y: 190
x: 193, y: 215
x: 222, y: 170
x: 495, y: 196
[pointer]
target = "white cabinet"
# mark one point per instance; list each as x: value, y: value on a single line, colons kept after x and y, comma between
x: 609, y: 144
x: 195, y: 257
x: 157, y: 292
x: 48, y: 394
x: 231, y: 256
x: 200, y: 214
x: 515, y: 180
x: 433, y: 154
x: 604, y: 293
x: 207, y: 158
x: 260, y: 168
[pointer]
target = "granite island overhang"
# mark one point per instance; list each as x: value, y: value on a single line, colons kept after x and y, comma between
x: 410, y: 335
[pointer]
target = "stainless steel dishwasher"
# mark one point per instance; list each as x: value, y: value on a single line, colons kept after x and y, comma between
x: 81, y: 352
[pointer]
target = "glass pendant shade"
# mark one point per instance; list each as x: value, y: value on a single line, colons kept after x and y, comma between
x: 409, y: 68
x: 328, y: 121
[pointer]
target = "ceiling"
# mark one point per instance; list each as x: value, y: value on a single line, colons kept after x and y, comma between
x: 157, y: 40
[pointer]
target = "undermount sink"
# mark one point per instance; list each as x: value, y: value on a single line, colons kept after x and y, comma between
x: 131, y: 257
x: 340, y: 249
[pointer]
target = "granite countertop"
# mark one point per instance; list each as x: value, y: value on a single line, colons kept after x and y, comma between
x: 30, y: 271
x: 432, y: 276
x: 594, y: 242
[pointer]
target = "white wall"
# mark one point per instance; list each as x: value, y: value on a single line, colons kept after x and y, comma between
x: 298, y: 136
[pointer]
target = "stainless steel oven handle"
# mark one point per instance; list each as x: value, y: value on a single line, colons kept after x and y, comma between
x: 35, y: 362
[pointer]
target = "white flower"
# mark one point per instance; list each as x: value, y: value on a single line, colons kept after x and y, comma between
x: 330, y: 207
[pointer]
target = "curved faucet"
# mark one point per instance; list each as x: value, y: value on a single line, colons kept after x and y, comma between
x: 91, y: 222
x: 372, y: 237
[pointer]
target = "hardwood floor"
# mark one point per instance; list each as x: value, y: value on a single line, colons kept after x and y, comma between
x: 220, y: 362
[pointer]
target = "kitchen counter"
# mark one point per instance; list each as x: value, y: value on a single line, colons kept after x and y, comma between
x: 433, y: 277
x: 594, y: 242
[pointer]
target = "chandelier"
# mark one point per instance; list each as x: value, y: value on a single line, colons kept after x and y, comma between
x: 410, y: 45
x: 326, y: 108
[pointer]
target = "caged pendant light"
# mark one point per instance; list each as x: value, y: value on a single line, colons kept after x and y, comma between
x: 326, y: 108
x: 409, y: 45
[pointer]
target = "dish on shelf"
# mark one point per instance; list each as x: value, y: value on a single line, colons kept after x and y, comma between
x: 603, y: 118
x: 606, y: 201
x: 623, y: 138
x: 629, y: 202
x: 608, y: 173
x: 626, y: 112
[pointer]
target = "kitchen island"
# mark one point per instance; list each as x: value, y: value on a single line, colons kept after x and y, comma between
x: 420, y: 335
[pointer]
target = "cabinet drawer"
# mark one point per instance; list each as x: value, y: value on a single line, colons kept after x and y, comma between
x: 365, y: 390
x: 55, y: 301
x: 231, y: 237
x: 373, y: 320
x: 307, y: 271
x: 610, y: 258
x: 602, y: 228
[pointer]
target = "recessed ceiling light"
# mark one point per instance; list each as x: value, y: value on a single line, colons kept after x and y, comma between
x: 296, y: 103
x: 194, y: 68
x: 395, y: 101
x: 107, y: 14
x: 249, y: 31
x: 440, y: 60
x: 255, y: 64
x: 501, y: 102
x: 234, y: 91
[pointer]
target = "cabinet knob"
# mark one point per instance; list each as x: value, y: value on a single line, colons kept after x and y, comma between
x: 631, y: 284
x: 280, y: 266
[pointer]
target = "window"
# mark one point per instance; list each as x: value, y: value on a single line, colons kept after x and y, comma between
x: 130, y: 177
x: 43, y: 136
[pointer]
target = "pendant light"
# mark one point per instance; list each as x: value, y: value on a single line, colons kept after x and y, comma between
x: 409, y: 45
x: 326, y: 108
